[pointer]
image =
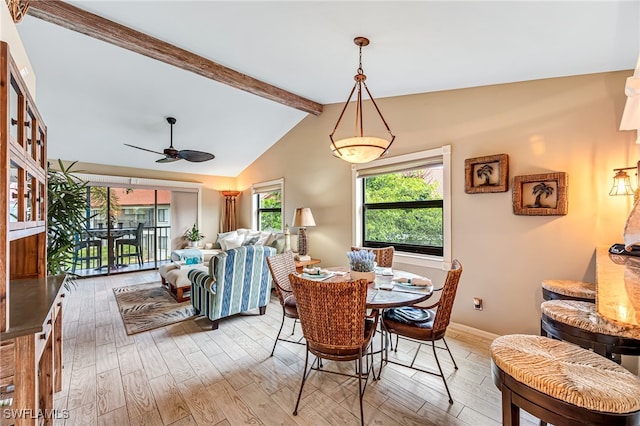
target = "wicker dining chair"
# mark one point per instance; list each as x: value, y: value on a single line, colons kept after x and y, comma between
x: 280, y: 266
x: 432, y: 328
x: 336, y: 326
x: 384, y: 255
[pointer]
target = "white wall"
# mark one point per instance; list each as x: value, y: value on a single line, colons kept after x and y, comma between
x: 9, y: 34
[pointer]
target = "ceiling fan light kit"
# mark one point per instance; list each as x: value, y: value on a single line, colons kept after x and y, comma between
x: 360, y: 148
x: 171, y: 154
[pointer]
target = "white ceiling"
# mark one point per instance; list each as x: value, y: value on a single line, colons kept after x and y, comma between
x: 94, y: 96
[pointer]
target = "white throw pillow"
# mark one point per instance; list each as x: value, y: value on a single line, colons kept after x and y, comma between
x: 231, y: 243
x: 263, y: 236
x: 222, y: 236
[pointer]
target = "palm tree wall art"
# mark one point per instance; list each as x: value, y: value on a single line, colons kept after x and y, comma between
x: 486, y: 174
x: 540, y: 195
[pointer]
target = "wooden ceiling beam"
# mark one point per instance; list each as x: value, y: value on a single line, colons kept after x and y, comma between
x: 76, y: 19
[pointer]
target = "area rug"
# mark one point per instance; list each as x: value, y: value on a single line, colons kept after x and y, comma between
x: 144, y: 307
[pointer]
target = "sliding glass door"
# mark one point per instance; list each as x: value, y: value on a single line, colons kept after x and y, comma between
x: 128, y: 229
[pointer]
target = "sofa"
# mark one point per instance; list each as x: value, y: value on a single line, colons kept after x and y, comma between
x: 238, y: 280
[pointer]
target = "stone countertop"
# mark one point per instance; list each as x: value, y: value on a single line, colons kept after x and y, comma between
x: 618, y: 287
x: 30, y: 302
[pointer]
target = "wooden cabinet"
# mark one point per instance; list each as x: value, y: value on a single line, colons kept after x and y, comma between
x: 30, y: 302
x: 23, y: 153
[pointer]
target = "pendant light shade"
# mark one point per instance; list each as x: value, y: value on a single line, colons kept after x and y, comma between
x: 360, y: 148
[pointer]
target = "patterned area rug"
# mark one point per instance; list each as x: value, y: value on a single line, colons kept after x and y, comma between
x: 144, y: 307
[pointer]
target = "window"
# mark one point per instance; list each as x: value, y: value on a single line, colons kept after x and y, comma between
x: 404, y: 202
x: 267, y: 206
x: 162, y: 215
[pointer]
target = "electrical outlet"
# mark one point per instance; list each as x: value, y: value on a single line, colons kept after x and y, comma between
x: 477, y: 303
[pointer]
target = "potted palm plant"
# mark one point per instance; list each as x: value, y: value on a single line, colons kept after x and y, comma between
x: 362, y: 265
x: 193, y: 235
x: 67, y: 216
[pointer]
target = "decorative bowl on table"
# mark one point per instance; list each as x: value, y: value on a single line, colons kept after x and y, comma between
x: 370, y: 276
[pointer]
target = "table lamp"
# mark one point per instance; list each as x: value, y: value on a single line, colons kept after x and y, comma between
x: 302, y: 219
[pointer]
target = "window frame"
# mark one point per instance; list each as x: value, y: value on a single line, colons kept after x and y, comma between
x: 261, y: 188
x: 398, y: 163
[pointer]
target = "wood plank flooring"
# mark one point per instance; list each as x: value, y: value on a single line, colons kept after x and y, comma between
x: 187, y: 374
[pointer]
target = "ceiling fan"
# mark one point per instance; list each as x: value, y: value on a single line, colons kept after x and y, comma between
x: 171, y: 154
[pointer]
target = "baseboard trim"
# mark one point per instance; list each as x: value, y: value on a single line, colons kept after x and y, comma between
x: 475, y: 331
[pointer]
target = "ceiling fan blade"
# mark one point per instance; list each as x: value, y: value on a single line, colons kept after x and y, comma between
x: 167, y: 160
x: 144, y: 149
x: 195, y: 156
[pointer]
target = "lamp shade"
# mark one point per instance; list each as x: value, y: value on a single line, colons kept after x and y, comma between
x: 303, y: 218
x: 360, y: 149
x: 621, y: 184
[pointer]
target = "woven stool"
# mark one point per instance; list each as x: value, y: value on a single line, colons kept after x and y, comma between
x: 561, y: 383
x: 568, y: 290
x: 578, y: 322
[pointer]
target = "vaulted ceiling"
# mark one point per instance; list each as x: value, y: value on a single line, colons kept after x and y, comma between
x: 95, y: 96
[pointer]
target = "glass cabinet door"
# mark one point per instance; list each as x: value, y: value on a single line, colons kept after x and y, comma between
x: 29, y: 198
x: 41, y: 158
x: 30, y: 134
x: 14, y: 107
x: 41, y: 204
x: 14, y: 193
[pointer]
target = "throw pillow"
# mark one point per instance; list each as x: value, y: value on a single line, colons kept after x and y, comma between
x: 231, y: 243
x: 250, y: 241
x: 278, y: 244
x: 222, y: 236
x: 264, y: 237
x: 243, y: 231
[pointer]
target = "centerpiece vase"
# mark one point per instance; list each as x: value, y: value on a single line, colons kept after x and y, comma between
x: 370, y: 276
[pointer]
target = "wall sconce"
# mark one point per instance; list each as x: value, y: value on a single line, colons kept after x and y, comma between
x: 622, y: 181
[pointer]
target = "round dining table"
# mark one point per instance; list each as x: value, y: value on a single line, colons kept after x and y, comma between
x: 382, y: 294
x: 378, y: 296
x: 110, y: 234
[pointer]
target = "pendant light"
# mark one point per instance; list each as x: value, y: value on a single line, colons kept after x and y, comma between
x: 360, y: 148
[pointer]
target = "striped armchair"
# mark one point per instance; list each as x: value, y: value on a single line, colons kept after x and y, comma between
x: 238, y: 280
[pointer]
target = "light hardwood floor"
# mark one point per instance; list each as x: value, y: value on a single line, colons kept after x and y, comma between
x: 187, y: 374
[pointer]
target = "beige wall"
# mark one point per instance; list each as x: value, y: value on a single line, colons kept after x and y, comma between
x: 564, y: 124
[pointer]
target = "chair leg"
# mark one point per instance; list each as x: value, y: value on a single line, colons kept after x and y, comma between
x: 450, y: 354
x: 304, y: 378
x: 279, y: 331
x: 360, y: 392
x: 510, y: 411
x: 293, y: 329
x: 433, y: 346
x: 415, y: 355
